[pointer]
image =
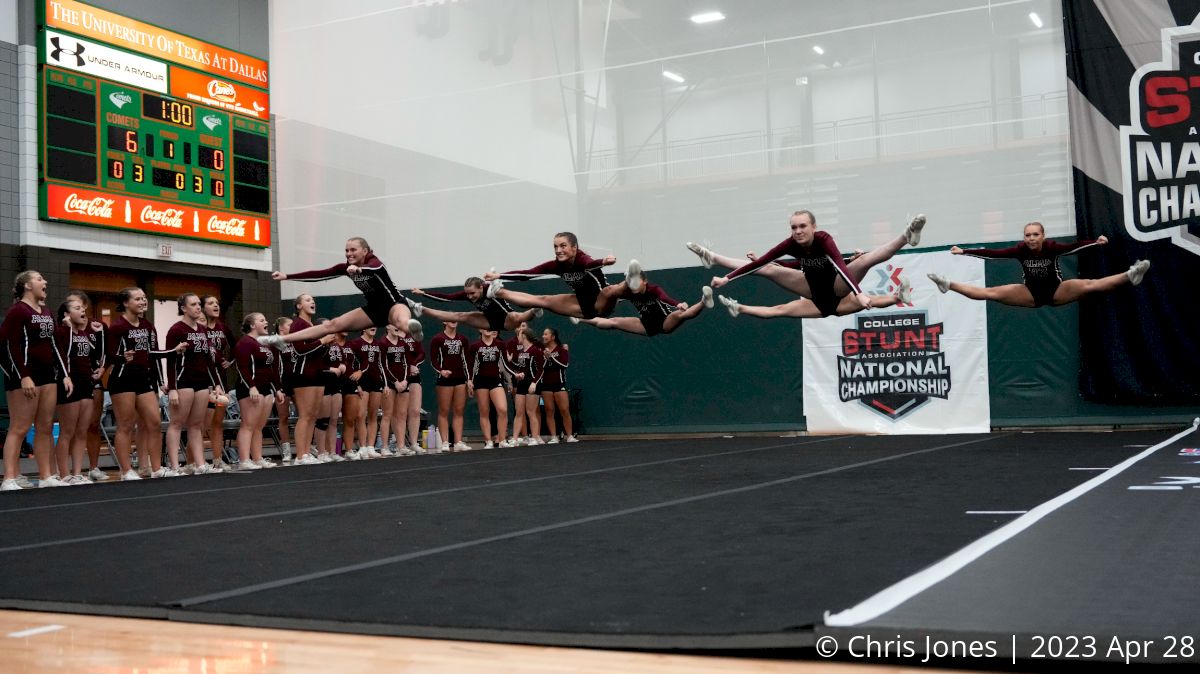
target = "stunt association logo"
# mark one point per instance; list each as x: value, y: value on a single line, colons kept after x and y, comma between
x: 888, y: 280
x: 893, y: 365
x: 1160, y: 154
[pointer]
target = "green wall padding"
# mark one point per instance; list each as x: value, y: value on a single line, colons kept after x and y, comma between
x: 718, y: 373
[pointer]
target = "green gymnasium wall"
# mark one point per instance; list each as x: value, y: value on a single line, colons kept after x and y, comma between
x: 718, y: 373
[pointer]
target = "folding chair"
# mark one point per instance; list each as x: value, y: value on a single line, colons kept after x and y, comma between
x: 230, y: 426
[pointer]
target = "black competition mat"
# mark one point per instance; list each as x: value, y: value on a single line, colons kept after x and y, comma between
x: 686, y: 543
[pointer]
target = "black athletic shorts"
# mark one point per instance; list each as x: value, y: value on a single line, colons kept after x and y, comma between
x: 132, y: 379
x: 83, y: 389
x: 40, y: 375
x: 488, y: 383
x: 267, y: 390
x: 451, y: 381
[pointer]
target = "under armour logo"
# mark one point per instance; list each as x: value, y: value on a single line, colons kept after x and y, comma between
x: 59, y: 49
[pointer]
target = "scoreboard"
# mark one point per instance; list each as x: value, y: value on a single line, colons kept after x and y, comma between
x: 150, y: 130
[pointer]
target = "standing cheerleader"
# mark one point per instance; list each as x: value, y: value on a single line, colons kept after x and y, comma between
x: 526, y: 360
x: 75, y: 407
x: 308, y: 387
x: 487, y: 386
x: 553, y: 385
x: 258, y: 388
x: 369, y: 376
x: 221, y: 339
x: 394, y: 355
x: 448, y: 353
x: 32, y: 366
x: 133, y: 383
x: 286, y: 361
x: 191, y: 376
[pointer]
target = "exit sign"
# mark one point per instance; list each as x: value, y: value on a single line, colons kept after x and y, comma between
x: 165, y: 249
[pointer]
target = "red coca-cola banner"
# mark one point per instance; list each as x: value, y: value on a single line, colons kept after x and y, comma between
x: 76, y: 204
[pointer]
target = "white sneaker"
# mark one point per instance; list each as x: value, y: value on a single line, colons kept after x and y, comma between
x: 1138, y: 271
x: 912, y: 233
x: 161, y: 472
x: 732, y: 305
x: 417, y: 308
x: 325, y: 457
x: 494, y: 287
x: 942, y: 283
x: 904, y: 291
x: 461, y: 446
x: 416, y: 449
x: 575, y: 320
x: 266, y: 463
x: 386, y: 452
x: 572, y: 438
x: 535, y: 440
x: 97, y: 475
x: 706, y: 297
x: 307, y: 460
x: 706, y: 255
x: 443, y: 448
x: 144, y: 472
x: 10, y: 485
x: 489, y: 445
x: 272, y: 340
x: 634, y: 277
x: 405, y: 451
x: 371, y: 452
x: 219, y: 466
x: 508, y: 443
x: 52, y: 481
x: 415, y: 329
x: 353, y: 455
x: 248, y: 465
x: 538, y: 312
x: 24, y: 482
x: 131, y: 475
x: 552, y: 441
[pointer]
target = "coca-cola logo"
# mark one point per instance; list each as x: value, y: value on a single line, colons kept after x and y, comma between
x: 168, y: 217
x: 231, y: 227
x: 222, y: 91
x: 99, y: 207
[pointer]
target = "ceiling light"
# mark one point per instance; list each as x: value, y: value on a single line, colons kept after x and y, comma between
x: 1037, y: 20
x: 817, y: 48
x: 708, y: 17
x: 673, y: 76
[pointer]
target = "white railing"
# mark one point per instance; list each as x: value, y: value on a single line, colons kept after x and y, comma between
x: 980, y: 124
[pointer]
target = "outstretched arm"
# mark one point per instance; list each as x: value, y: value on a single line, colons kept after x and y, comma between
x: 316, y: 275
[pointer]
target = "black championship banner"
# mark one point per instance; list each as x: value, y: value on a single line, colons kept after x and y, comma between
x: 1134, y: 102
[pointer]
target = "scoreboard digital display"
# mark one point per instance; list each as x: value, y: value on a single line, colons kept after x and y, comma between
x: 148, y: 130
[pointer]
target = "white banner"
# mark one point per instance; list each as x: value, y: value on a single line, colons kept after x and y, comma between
x: 93, y: 58
x: 904, y: 369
